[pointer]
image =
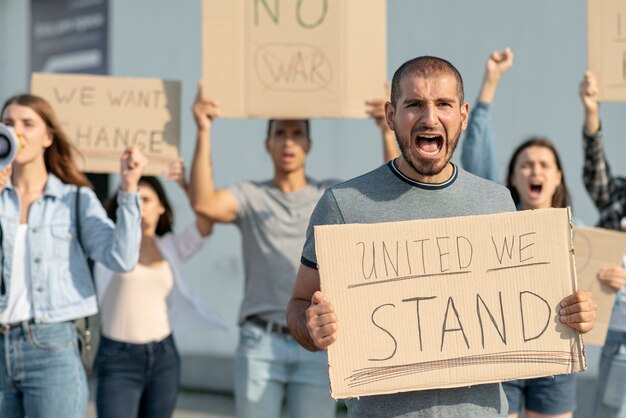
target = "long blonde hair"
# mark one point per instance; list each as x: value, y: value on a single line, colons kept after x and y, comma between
x: 58, y: 156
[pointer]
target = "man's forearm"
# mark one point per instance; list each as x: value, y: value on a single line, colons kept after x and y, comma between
x: 592, y: 121
x: 390, y: 145
x: 488, y: 89
x: 296, y: 321
x: 202, y: 185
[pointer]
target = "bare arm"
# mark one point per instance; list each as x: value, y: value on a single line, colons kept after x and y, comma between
x: 310, y: 315
x: 175, y: 171
x: 216, y: 205
x: 376, y: 110
x: 498, y: 63
x: 597, y: 175
x: 588, y: 90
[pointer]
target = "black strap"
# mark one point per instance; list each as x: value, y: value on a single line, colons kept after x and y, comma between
x: 3, y: 287
x: 79, y: 232
x: 87, y: 332
x: 77, y: 216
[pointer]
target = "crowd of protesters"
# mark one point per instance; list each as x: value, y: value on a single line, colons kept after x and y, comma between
x: 51, y: 224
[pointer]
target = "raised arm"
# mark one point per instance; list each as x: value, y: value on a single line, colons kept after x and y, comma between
x: 376, y: 110
x: 176, y: 172
x: 478, y: 154
x: 116, y: 246
x: 217, y: 205
x: 310, y: 315
x: 588, y: 90
x: 596, y: 172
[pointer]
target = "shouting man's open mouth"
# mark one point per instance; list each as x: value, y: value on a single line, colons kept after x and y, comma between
x: 429, y: 145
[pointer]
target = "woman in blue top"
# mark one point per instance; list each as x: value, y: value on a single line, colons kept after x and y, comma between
x: 45, y: 282
x: 536, y: 180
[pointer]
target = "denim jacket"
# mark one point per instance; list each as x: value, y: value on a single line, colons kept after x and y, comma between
x: 478, y: 153
x: 60, y: 281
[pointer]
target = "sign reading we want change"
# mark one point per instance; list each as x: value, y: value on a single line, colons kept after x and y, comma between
x: 448, y: 302
x: 294, y: 58
x: 104, y: 115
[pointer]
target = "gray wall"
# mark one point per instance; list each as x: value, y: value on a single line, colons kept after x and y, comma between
x: 161, y: 38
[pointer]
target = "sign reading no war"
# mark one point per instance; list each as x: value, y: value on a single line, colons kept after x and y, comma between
x: 294, y: 58
x: 104, y: 115
x: 606, y: 26
x: 449, y: 302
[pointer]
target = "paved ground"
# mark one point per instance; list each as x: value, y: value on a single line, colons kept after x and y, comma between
x: 203, y: 405
x: 212, y: 405
x: 197, y: 405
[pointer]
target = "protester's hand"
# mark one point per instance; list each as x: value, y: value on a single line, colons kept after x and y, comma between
x: 321, y: 321
x: 132, y: 164
x: 588, y: 90
x: 578, y: 311
x: 375, y: 109
x: 590, y: 96
x: 498, y: 63
x: 614, y: 276
x: 5, y: 175
x: 204, y: 110
x: 175, y: 171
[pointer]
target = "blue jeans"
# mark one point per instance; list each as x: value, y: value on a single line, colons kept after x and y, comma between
x: 137, y: 380
x: 41, y: 372
x: 270, y: 367
x: 611, y: 385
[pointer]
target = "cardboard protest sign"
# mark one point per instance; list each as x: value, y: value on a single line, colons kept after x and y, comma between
x: 104, y: 115
x: 607, y: 47
x: 294, y: 59
x: 596, y: 248
x: 448, y: 302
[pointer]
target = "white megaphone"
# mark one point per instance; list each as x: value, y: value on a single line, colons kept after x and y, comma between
x: 9, y: 145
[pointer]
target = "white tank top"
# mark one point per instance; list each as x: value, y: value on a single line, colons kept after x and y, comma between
x: 20, y: 306
x: 134, y: 308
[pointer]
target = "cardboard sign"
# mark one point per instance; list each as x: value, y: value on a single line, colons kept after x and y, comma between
x: 449, y: 302
x: 104, y: 115
x: 596, y: 248
x: 607, y: 47
x: 294, y: 59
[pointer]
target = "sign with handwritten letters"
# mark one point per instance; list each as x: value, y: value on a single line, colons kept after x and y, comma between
x: 104, y: 115
x: 607, y: 47
x: 448, y: 302
x: 294, y: 58
x: 596, y: 248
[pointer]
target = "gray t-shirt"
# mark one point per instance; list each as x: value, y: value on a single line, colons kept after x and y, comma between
x: 386, y: 195
x: 273, y: 227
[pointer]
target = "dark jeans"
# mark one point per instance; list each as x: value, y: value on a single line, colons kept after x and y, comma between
x: 137, y: 380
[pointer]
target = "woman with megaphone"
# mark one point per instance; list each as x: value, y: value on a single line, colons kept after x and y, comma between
x: 45, y: 282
